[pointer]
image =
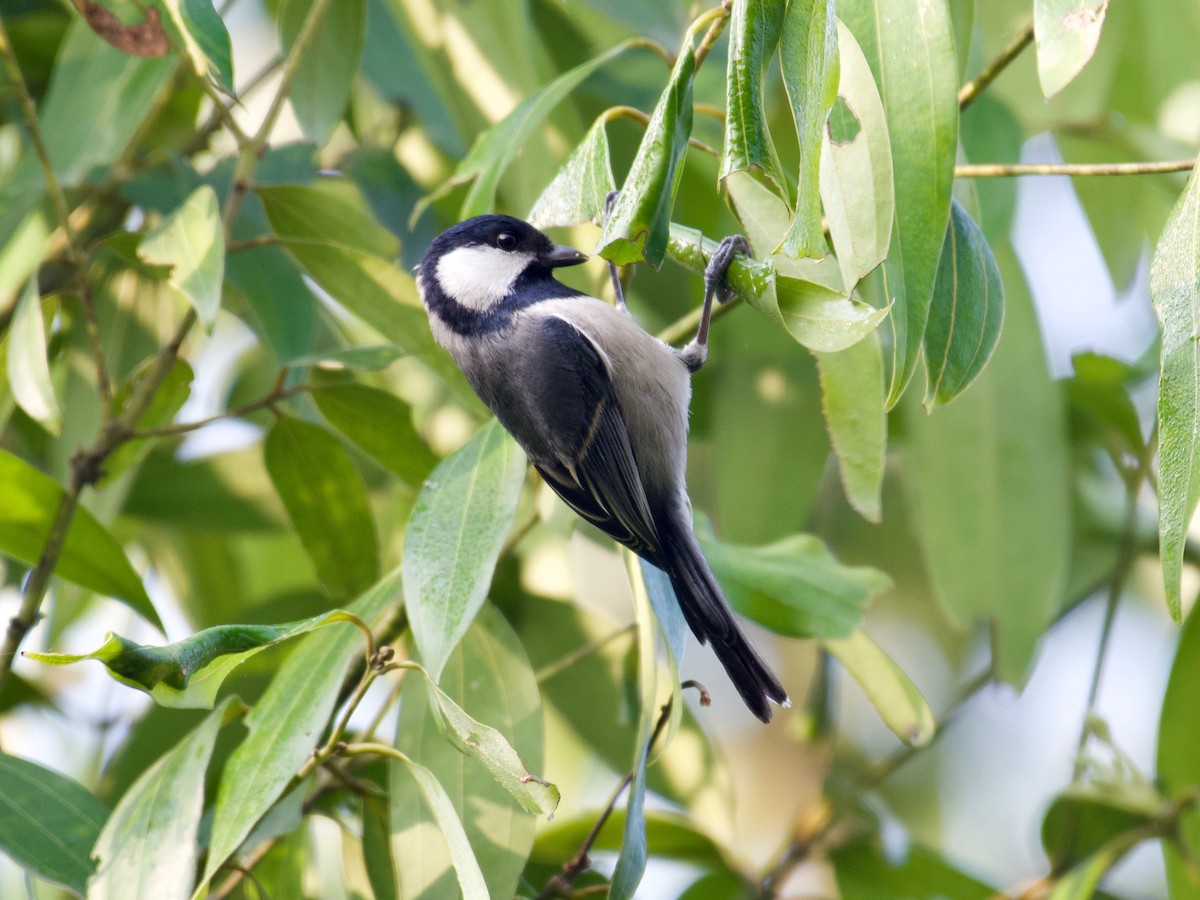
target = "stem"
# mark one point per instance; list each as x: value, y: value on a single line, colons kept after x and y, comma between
x: 632, y: 112
x: 719, y: 18
x: 1006, y: 170
x: 276, y: 395
x: 548, y: 671
x: 973, y: 88
x: 75, y: 254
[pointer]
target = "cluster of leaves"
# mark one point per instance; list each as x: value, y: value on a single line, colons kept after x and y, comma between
x: 142, y: 226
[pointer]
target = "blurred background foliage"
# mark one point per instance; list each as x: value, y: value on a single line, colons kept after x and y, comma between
x: 948, y: 470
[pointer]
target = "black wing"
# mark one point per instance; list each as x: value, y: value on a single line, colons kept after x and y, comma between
x: 582, y: 448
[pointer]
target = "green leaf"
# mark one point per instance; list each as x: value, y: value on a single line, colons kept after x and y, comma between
x: 852, y: 399
x: 1175, y: 293
x: 808, y: 55
x: 286, y: 724
x: 991, y: 476
x: 379, y: 424
x: 330, y: 209
x: 205, y: 38
x: 486, y: 677
x: 327, y: 503
x: 1099, y: 389
x: 639, y: 225
x: 149, y: 845
x: 668, y: 836
x: 48, y: 822
x: 457, y: 529
x: 579, y: 190
x: 819, y: 317
x: 190, y: 240
x: 357, y: 359
x: 1067, y: 32
x: 856, y: 167
x: 91, y: 556
x: 966, y: 312
x: 172, y: 393
x: 327, y: 66
x: 187, y: 674
x: 28, y: 365
x: 899, y: 702
x: 864, y: 872
x: 1178, y: 764
x: 754, y: 28
x: 1081, y: 821
x: 910, y: 47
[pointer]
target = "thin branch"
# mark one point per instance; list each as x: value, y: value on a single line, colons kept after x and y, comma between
x: 1007, y: 170
x: 261, y: 240
x: 716, y: 19
x: 632, y: 112
x: 277, y: 395
x: 548, y: 671
x: 973, y: 88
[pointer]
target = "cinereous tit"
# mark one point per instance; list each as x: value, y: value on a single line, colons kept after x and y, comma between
x: 599, y: 405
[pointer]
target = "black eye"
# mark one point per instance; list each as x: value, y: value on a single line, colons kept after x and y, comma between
x: 506, y: 241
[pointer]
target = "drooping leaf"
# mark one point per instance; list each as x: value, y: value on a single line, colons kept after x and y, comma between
x: 1177, y: 763
x: 910, y: 48
x: 795, y: 586
x: 286, y: 724
x: 48, y: 822
x: 899, y: 702
x: 327, y: 503
x: 1067, y: 32
x: 966, y: 312
x: 91, y: 556
x: 852, y: 399
x: 808, y: 54
x: 205, y: 38
x: 188, y: 673
x: 457, y: 529
x: 379, y: 424
x: 578, y: 192
x: 149, y: 844
x: 856, y: 167
x: 327, y: 66
x: 486, y: 679
x: 1175, y: 293
x: 754, y: 29
x: 640, y: 222
x: 28, y: 366
x: 190, y: 240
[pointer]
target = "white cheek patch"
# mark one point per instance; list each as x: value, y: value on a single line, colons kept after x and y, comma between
x: 480, y: 277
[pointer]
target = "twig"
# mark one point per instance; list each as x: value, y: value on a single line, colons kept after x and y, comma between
x: 1007, y: 170
x: 548, y: 671
x: 277, y: 395
x: 716, y: 19
x: 632, y: 112
x: 973, y: 88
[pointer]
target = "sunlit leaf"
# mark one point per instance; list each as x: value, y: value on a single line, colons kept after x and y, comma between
x: 1178, y: 764
x: 28, y: 366
x: 1067, y: 32
x: 327, y: 66
x: 578, y: 192
x: 48, y: 822
x: 457, y: 529
x: 379, y: 424
x: 190, y: 240
x: 966, y: 312
x: 1175, y: 293
x: 205, y: 38
x: 899, y: 702
x: 188, y: 673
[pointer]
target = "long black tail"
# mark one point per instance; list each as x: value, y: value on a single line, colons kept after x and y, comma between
x: 712, y: 621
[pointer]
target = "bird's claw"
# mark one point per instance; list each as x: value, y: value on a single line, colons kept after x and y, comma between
x: 718, y: 266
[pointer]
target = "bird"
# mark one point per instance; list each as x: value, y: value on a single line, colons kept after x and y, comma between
x: 599, y: 405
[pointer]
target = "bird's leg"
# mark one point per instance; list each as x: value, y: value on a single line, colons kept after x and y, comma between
x: 613, y: 271
x: 696, y: 351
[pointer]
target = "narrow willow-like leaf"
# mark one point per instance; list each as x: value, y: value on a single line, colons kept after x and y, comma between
x: 1067, y: 32
x: 1175, y: 293
x: 454, y: 538
x: 91, y: 556
x: 286, y: 725
x: 899, y: 702
x: 856, y: 167
x: 910, y: 47
x: 327, y: 502
x: 327, y: 66
x: 1178, y: 764
x: 48, y: 823
x: 578, y: 192
x: 852, y: 397
x: 640, y: 223
x: 188, y: 673
x: 191, y: 241
x: 329, y: 209
x: 754, y: 29
x: 205, y: 38
x: 487, y: 678
x: 356, y: 359
x: 148, y: 847
x: 966, y: 312
x: 28, y: 366
x: 379, y: 424
x: 794, y: 586
x: 808, y: 55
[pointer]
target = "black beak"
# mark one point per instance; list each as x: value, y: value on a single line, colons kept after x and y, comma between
x: 563, y: 256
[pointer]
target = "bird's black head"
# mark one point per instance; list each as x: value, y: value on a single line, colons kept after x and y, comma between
x: 490, y: 262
